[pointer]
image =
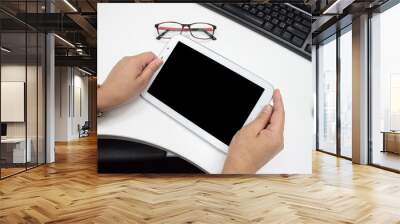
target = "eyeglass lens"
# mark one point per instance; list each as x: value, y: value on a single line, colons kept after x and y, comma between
x: 202, y: 30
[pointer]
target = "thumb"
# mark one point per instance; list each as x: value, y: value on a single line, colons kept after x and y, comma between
x: 259, y: 124
x: 143, y: 59
x: 150, y: 69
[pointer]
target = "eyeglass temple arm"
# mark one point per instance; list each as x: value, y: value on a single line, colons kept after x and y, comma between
x: 209, y: 34
x: 162, y: 34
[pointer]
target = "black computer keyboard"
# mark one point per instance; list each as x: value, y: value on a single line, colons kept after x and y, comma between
x: 284, y: 23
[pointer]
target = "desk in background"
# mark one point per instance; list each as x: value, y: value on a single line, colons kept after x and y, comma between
x: 13, y: 150
x: 391, y: 141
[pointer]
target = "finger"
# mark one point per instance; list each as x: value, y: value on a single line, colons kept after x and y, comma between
x: 258, y: 124
x: 150, y: 69
x: 144, y: 59
x: 277, y: 121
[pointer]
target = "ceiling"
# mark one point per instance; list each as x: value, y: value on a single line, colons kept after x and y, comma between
x: 74, y: 22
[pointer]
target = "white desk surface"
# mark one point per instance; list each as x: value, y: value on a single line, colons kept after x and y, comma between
x: 13, y: 140
x: 128, y: 29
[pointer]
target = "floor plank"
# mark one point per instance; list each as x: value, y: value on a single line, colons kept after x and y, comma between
x: 71, y: 191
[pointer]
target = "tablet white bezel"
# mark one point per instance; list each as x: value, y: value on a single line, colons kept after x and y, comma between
x: 263, y: 100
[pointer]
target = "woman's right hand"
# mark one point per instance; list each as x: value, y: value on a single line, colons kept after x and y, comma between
x: 257, y: 142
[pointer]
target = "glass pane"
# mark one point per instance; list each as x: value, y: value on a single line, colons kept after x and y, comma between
x: 202, y: 30
x: 327, y: 97
x: 31, y: 98
x: 41, y: 98
x: 346, y: 94
x: 385, y: 114
x: 13, y: 87
x: 169, y: 30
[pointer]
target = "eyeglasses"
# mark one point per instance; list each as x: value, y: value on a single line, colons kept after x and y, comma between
x: 167, y: 30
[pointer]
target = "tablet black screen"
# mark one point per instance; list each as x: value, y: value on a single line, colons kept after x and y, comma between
x: 213, y: 97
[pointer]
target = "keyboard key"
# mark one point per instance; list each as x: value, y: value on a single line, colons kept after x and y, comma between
x: 267, y: 10
x: 291, y: 14
x: 308, y: 48
x: 268, y: 26
x: 282, y: 25
x: 300, y: 27
x: 297, y: 18
x: 260, y: 14
x: 296, y: 32
x: 297, y: 41
x: 252, y: 4
x: 287, y: 36
x: 305, y: 16
x: 277, y: 31
x: 268, y: 18
x: 253, y: 11
x: 282, y: 18
x: 306, y: 22
x: 274, y: 14
x: 246, y: 7
x: 289, y: 21
x: 275, y: 21
x: 239, y: 12
x: 260, y: 7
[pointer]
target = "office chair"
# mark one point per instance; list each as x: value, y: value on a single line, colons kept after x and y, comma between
x: 84, y: 130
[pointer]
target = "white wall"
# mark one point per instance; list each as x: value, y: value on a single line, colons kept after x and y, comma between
x: 61, y: 103
x: 81, y: 84
x: 16, y: 72
x: 70, y: 83
x: 33, y: 126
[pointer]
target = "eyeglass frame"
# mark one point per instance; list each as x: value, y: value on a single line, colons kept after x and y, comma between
x: 188, y: 25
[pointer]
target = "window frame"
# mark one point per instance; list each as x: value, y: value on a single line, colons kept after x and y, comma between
x: 334, y: 37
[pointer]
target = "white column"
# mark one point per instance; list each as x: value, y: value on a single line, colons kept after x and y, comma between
x: 360, y: 90
x: 50, y: 99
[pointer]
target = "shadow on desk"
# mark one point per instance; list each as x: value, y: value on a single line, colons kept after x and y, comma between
x: 123, y: 156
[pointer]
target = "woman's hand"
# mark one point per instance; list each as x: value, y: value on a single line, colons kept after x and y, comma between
x: 257, y: 142
x: 127, y: 80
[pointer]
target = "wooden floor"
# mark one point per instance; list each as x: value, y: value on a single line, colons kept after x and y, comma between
x: 70, y: 191
x: 5, y: 172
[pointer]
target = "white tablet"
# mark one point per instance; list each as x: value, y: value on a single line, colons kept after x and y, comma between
x: 208, y: 94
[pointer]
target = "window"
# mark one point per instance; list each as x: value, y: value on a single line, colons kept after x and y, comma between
x: 395, y: 102
x: 22, y: 93
x: 346, y: 75
x: 385, y: 89
x: 334, y: 104
x: 327, y: 97
x: 15, y: 146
